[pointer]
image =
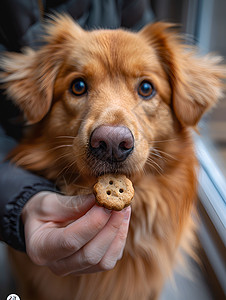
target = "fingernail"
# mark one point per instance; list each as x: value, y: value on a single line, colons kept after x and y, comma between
x: 108, y: 211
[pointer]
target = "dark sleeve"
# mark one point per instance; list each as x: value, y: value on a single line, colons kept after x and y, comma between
x: 133, y: 14
x: 17, y: 186
x: 20, y: 24
x: 136, y: 13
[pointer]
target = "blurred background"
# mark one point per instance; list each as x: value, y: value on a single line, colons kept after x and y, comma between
x: 204, y: 22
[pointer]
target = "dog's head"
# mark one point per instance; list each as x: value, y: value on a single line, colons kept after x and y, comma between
x: 115, y: 93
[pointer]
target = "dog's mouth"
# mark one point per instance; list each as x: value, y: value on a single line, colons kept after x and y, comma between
x: 99, y: 167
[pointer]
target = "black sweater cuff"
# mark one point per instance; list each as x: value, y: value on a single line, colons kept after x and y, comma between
x: 12, y: 225
x: 17, y: 186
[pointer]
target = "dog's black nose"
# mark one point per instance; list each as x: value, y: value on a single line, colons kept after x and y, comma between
x: 111, y: 143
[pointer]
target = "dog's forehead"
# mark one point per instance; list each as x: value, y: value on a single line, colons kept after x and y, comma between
x: 114, y: 50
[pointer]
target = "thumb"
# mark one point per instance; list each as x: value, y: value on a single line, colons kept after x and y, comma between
x: 77, y: 205
x: 57, y: 207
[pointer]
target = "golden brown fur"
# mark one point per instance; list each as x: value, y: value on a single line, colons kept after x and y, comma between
x: 162, y: 166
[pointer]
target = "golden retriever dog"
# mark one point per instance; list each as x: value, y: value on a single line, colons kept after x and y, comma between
x: 140, y: 94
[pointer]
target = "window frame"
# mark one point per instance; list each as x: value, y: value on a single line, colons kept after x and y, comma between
x: 212, y: 211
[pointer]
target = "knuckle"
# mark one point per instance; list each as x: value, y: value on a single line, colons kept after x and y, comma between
x: 39, y: 261
x: 36, y: 257
x: 69, y: 243
x: 45, y: 200
x: 122, y: 236
x: 57, y: 271
x: 115, y: 227
x: 98, y: 224
x: 89, y: 258
x: 107, y: 264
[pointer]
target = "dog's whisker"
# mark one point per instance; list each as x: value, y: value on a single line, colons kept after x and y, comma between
x: 60, y: 146
x: 67, y: 166
x: 134, y: 169
x: 65, y: 136
x: 156, y: 154
x: 79, y: 185
x: 70, y: 165
x: 74, y: 174
x: 63, y: 156
x: 163, y: 153
x: 65, y: 169
x: 82, y: 187
x: 156, y: 169
x: 52, y: 149
x: 163, y: 141
x: 155, y: 166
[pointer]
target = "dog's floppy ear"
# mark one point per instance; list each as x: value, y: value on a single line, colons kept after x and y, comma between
x: 196, y: 81
x: 29, y: 77
x: 28, y: 80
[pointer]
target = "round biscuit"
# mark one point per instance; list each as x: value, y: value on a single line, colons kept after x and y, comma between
x: 113, y: 191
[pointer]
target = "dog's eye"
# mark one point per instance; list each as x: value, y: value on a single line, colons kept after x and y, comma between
x: 146, y: 90
x: 78, y: 87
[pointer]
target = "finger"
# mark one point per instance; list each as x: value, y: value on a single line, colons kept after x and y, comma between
x: 115, y: 251
x: 57, y: 243
x: 92, y: 253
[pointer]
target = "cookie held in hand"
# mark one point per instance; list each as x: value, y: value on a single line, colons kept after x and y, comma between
x: 113, y: 191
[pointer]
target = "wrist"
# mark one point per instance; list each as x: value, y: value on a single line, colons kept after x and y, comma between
x: 12, y: 223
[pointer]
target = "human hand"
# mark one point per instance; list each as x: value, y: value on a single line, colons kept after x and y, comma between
x: 72, y: 234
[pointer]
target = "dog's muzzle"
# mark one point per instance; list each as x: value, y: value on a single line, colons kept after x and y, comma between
x: 112, y: 144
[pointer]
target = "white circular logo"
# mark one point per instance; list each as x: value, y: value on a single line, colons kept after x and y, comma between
x: 13, y: 297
